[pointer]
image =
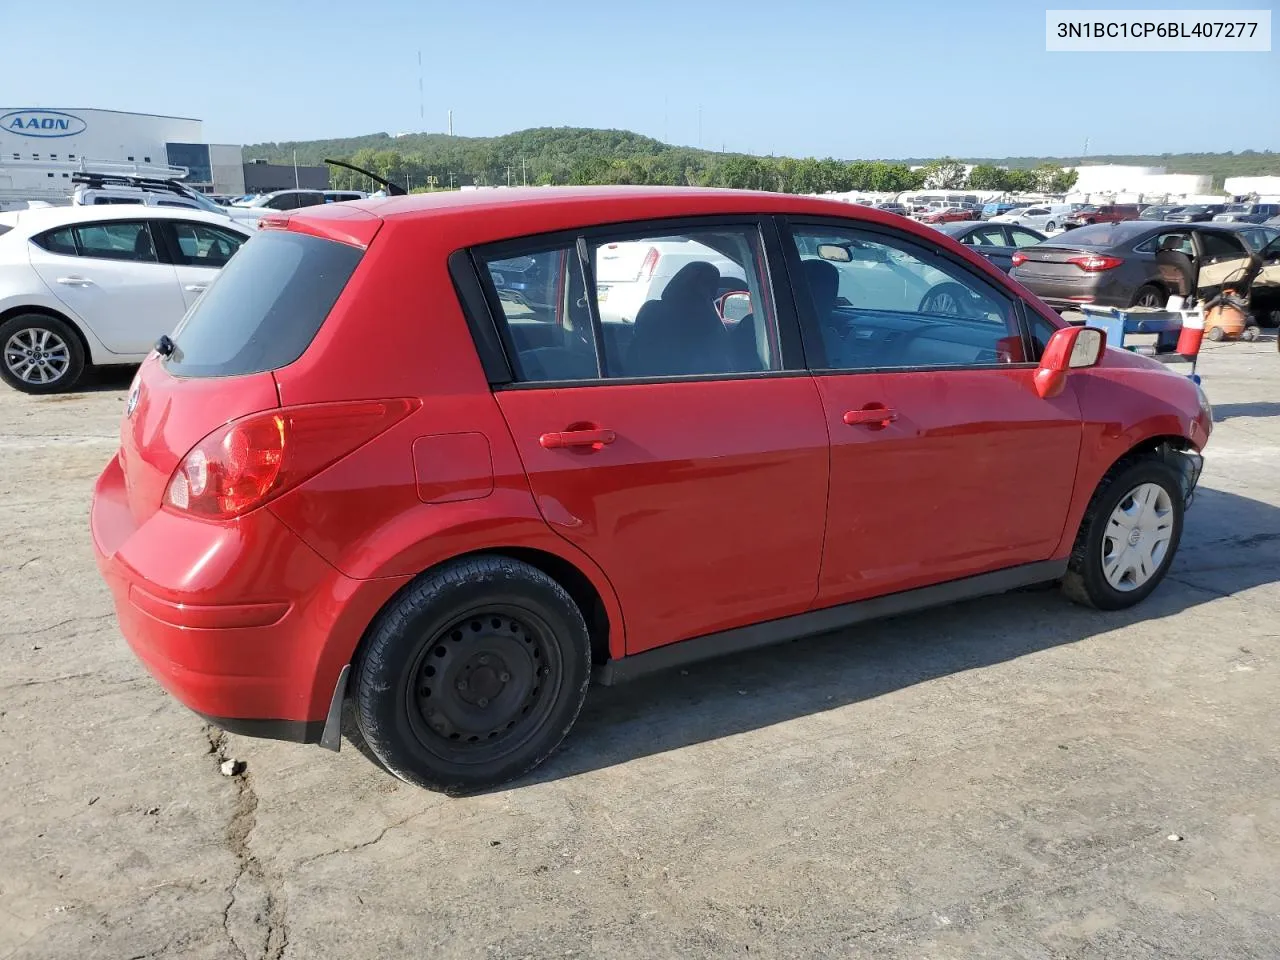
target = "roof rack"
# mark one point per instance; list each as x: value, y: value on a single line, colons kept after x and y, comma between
x: 99, y: 180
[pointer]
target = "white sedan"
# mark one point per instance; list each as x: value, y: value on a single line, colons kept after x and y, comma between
x: 1046, y: 219
x: 94, y: 286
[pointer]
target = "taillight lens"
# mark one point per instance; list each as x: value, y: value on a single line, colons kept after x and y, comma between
x: 650, y: 263
x: 1018, y: 259
x: 247, y: 462
x: 1095, y: 262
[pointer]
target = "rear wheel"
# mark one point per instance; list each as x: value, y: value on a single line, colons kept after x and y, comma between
x: 1149, y: 296
x: 1050, y: 227
x: 1128, y: 536
x: 473, y: 676
x: 40, y: 354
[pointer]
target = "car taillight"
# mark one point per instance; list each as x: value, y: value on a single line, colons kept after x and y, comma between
x: 1018, y: 259
x: 247, y: 462
x: 1095, y: 262
x: 650, y: 263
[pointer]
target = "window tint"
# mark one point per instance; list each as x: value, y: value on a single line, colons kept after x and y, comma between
x: 200, y: 245
x: 879, y: 302
x: 1022, y: 238
x: 265, y: 308
x: 118, y: 240
x: 57, y: 241
x: 688, y: 304
x: 286, y: 201
x: 1216, y: 246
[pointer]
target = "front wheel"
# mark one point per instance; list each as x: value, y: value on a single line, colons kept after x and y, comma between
x: 473, y: 675
x: 1050, y: 227
x: 41, y: 354
x: 1128, y: 536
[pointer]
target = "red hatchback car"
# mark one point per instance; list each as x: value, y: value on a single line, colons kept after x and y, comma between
x: 393, y: 456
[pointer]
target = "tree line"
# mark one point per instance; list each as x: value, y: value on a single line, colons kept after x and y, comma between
x: 568, y: 155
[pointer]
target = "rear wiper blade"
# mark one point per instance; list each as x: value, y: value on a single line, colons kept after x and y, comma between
x: 393, y: 189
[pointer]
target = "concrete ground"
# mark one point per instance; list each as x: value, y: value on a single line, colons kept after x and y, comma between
x: 999, y: 779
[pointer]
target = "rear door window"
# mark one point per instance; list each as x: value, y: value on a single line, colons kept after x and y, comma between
x: 265, y: 307
x: 201, y: 245
x: 1022, y: 238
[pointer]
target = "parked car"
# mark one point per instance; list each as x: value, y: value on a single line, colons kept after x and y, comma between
x: 1195, y: 213
x: 897, y: 208
x: 282, y: 200
x: 995, y: 209
x: 1158, y: 211
x: 1247, y: 213
x: 629, y: 274
x: 1117, y: 264
x: 996, y: 241
x: 1044, y: 218
x: 98, y: 189
x: 1100, y: 213
x: 95, y: 286
x: 457, y: 538
x: 338, y: 196
x: 948, y: 214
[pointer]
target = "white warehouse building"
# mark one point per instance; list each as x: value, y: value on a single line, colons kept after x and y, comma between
x: 40, y: 148
x: 1113, y: 181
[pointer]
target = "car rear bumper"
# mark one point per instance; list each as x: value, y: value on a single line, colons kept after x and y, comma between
x: 242, y: 622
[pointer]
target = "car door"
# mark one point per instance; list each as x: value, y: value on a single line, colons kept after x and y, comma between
x: 945, y: 462
x: 110, y: 275
x: 1221, y: 258
x: 686, y: 456
x: 198, y: 251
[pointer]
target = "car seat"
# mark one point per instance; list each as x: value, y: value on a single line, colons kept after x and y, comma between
x: 143, y: 249
x: 1177, y: 270
x: 680, y: 334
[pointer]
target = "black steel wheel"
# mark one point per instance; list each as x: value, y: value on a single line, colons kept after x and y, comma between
x: 473, y: 675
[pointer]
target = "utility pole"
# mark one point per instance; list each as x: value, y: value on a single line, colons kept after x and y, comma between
x: 524, y: 172
x: 451, y: 123
x: 508, y: 174
x: 699, y: 126
x: 421, y: 99
x: 295, y: 169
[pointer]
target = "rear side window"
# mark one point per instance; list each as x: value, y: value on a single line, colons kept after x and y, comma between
x: 265, y: 307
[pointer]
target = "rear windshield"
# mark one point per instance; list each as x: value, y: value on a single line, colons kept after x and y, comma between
x: 265, y: 307
x: 1103, y: 234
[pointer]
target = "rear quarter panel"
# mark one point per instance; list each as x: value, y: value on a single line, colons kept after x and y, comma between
x: 398, y: 331
x: 1125, y: 401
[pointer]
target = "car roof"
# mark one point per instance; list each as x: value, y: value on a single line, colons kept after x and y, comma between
x: 45, y: 218
x: 488, y: 215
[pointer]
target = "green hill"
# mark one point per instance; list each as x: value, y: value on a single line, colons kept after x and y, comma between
x: 583, y: 155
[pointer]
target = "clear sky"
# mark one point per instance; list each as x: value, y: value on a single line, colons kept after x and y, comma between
x: 844, y: 78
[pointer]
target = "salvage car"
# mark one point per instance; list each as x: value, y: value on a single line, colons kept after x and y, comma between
x: 998, y: 242
x: 94, y: 286
x: 457, y: 538
x: 1134, y: 263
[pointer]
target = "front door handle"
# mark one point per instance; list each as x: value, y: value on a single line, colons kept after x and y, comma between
x: 195, y: 287
x: 870, y: 417
x: 75, y: 281
x: 595, y: 439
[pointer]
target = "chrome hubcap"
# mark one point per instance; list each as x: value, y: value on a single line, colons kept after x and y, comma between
x: 36, y: 356
x: 1137, y: 538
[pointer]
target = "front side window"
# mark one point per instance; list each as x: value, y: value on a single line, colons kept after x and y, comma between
x: 117, y: 240
x: 200, y: 245
x: 991, y: 236
x: 687, y: 304
x: 881, y: 302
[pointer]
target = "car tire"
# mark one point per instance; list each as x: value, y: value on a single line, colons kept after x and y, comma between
x: 34, y: 345
x: 1050, y: 227
x: 1128, y: 536
x: 473, y: 675
x: 1149, y: 292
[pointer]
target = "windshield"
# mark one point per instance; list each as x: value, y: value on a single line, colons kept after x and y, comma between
x: 1090, y: 208
x: 1194, y: 209
x: 1236, y: 208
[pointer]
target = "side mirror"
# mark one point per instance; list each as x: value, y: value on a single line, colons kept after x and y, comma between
x: 733, y: 306
x: 1072, y: 348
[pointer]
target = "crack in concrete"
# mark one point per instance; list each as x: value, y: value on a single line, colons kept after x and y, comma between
x: 367, y: 843
x: 244, y: 819
x: 55, y: 626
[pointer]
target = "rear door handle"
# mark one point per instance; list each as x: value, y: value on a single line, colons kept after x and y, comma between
x: 75, y: 281
x: 195, y: 287
x: 577, y: 438
x: 873, y: 416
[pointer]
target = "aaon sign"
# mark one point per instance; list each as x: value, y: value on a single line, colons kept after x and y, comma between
x: 42, y: 123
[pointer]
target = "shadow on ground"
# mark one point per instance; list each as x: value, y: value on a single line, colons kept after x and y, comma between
x: 1225, y: 411
x: 1227, y: 536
